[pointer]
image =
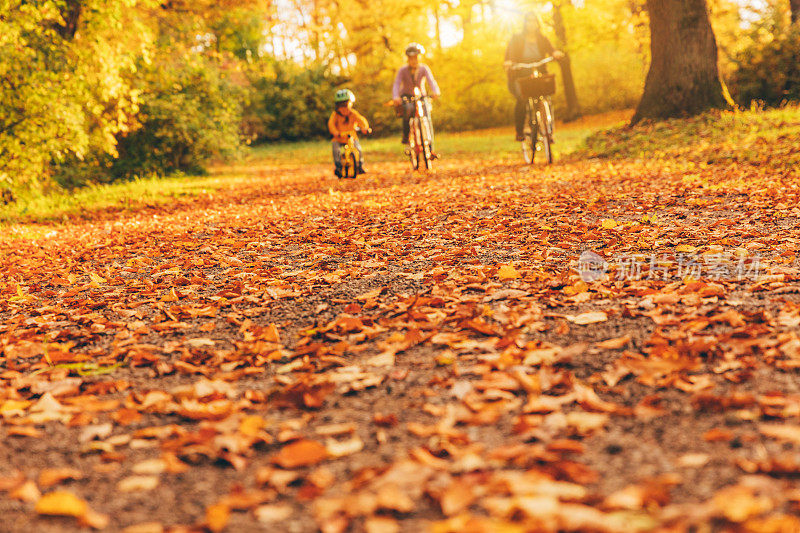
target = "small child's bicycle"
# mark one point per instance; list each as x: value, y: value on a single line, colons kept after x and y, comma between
x: 350, y: 157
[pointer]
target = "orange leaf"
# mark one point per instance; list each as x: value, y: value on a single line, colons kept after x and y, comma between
x: 53, y: 476
x: 301, y: 453
x: 615, y: 344
x: 508, y: 272
x: 217, y: 516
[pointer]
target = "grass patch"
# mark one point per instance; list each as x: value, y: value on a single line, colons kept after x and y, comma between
x: 755, y: 137
x: 125, y: 196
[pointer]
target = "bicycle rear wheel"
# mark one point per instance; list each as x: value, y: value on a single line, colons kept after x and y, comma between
x: 544, y: 119
x: 425, y: 134
x: 413, y: 143
x: 529, y: 135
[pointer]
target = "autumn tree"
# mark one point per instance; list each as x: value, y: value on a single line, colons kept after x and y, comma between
x: 64, y: 90
x: 573, y: 107
x: 683, y: 78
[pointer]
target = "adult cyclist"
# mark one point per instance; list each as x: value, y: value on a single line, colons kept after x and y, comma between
x: 528, y: 46
x: 410, y: 76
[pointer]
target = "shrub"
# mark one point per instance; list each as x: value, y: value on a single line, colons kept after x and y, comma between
x: 289, y: 102
x: 189, y: 114
x: 768, y: 69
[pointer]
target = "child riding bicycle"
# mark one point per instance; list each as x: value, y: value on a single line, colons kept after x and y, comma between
x: 342, y: 126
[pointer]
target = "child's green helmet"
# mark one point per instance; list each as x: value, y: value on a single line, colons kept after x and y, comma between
x: 344, y: 95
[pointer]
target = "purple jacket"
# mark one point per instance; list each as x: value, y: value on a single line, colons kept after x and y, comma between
x: 404, y: 85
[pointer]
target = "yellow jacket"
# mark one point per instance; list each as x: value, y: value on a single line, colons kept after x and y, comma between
x: 340, y: 125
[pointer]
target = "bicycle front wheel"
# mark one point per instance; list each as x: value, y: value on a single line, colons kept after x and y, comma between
x: 413, y: 143
x: 529, y: 135
x: 544, y: 118
x: 425, y: 134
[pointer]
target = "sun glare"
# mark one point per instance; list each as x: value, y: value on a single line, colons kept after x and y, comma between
x: 511, y: 12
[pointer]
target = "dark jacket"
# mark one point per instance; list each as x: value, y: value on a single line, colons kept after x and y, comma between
x: 516, y: 47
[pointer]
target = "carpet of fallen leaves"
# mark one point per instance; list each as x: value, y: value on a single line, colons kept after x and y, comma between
x: 413, y: 352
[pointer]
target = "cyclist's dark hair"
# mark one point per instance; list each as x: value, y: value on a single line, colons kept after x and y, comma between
x: 532, y: 15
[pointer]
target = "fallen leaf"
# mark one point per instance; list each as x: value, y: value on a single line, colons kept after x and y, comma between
x: 300, y: 453
x: 61, y: 503
x: 27, y: 492
x: 53, y: 476
x: 508, y: 272
x: 272, y: 514
x: 137, y: 483
x: 615, y: 344
x: 217, y: 517
x: 583, y: 319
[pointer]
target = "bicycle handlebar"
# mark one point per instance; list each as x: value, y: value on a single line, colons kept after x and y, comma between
x: 535, y: 65
x: 413, y: 98
x: 367, y: 131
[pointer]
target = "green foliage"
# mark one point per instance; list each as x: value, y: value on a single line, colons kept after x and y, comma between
x: 768, y: 69
x: 190, y: 113
x: 289, y: 102
x: 62, y: 95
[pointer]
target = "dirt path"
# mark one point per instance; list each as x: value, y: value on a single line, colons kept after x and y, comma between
x: 411, y: 352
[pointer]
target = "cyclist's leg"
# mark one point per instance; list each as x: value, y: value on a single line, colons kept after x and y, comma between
x: 519, y: 108
x: 337, y: 158
x: 407, y: 109
x: 360, y: 168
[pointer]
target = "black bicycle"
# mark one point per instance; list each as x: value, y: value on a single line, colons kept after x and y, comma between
x: 420, y: 132
x: 537, y: 90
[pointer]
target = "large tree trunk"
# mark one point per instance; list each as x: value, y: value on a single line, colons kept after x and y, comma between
x: 683, y: 78
x: 573, y: 107
x: 794, y: 5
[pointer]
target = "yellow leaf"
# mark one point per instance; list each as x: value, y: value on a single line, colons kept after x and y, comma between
x: 14, y: 405
x: 251, y: 425
x: 609, y: 223
x: 21, y: 296
x: 688, y: 248
x: 61, y: 503
x: 96, y: 279
x: 508, y: 272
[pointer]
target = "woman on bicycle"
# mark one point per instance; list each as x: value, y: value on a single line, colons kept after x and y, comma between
x: 342, y: 125
x: 410, y: 76
x: 529, y: 46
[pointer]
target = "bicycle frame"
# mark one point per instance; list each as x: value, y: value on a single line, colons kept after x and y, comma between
x: 350, y: 158
x: 420, y: 132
